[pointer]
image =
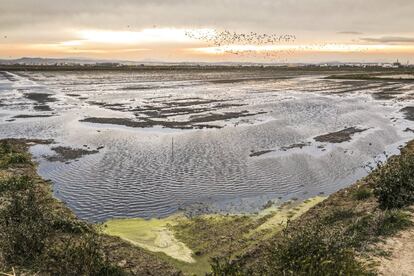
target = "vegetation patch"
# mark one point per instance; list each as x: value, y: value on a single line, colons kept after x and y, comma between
x: 340, y: 235
x: 395, y: 184
x: 64, y: 154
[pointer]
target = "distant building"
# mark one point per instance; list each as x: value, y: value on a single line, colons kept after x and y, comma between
x: 108, y: 64
x: 397, y: 64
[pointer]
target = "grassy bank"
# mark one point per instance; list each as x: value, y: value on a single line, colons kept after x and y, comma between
x: 341, y: 235
x: 338, y: 235
x: 39, y: 235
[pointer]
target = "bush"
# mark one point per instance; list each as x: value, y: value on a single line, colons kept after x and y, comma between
x: 23, y: 227
x: 313, y: 249
x: 395, y: 187
x: 14, y: 158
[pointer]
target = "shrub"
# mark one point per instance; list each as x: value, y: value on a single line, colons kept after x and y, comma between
x: 5, y: 148
x: 221, y: 266
x: 18, y: 158
x: 14, y: 158
x: 313, y: 249
x: 395, y: 187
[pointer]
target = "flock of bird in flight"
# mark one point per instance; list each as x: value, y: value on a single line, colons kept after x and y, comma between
x: 226, y: 37
x: 225, y: 41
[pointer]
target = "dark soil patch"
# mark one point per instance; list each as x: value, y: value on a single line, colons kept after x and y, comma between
x: 225, y: 81
x: 195, y: 122
x: 23, y: 116
x: 42, y: 107
x: 408, y: 130
x: 295, y: 146
x: 339, y: 136
x: 145, y: 123
x: 258, y: 153
x: 408, y: 112
x: 41, y: 98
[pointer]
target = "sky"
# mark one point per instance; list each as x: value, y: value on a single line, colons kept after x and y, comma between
x: 176, y: 31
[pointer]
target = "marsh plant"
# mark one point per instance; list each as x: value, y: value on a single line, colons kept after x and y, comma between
x: 10, y: 157
x: 395, y: 185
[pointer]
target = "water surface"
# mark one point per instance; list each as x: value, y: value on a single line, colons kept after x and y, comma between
x: 194, y: 136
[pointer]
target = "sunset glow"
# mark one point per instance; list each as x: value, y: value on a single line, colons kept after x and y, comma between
x: 151, y: 31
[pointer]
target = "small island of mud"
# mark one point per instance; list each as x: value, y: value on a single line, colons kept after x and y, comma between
x: 284, y: 148
x: 25, y: 116
x: 408, y: 112
x: 344, y: 135
x: 64, y: 154
x: 41, y: 100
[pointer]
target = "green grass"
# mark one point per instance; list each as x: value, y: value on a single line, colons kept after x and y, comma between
x: 362, y: 193
x: 8, y: 157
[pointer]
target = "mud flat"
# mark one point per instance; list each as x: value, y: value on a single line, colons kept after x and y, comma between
x: 344, y: 135
x: 194, y: 122
x: 41, y: 98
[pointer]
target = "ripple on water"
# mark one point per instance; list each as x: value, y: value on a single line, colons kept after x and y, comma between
x: 137, y: 174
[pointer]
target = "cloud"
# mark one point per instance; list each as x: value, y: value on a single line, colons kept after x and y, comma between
x: 388, y: 39
x: 276, y: 16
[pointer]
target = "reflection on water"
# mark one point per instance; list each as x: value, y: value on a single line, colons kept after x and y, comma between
x: 147, y: 171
